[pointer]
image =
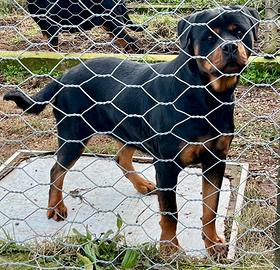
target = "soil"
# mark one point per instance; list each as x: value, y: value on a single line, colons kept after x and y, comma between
x: 22, y: 33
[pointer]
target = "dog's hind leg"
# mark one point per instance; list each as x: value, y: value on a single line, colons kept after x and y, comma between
x: 123, y: 39
x: 124, y: 160
x: 67, y: 155
x: 49, y: 32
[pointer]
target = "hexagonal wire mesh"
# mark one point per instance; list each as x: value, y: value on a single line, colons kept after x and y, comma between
x: 163, y: 82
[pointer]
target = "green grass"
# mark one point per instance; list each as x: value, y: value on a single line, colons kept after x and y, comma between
x: 257, y: 73
x: 256, y: 232
x: 109, y: 148
x: 110, y: 251
x: 188, y: 6
x: 197, y: 3
x: 8, y: 6
x: 16, y: 74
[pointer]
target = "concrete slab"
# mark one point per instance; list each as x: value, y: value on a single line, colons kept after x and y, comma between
x: 95, y: 192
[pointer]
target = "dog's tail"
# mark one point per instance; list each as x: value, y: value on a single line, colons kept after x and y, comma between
x: 37, y: 103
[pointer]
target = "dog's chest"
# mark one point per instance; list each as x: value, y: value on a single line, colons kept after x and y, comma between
x: 193, y: 153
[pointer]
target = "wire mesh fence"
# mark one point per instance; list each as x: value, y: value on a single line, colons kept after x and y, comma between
x: 157, y: 140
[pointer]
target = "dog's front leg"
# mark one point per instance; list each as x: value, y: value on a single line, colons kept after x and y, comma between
x: 212, y: 180
x: 166, y: 176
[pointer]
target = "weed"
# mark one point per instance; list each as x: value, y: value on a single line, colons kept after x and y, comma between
x: 14, y: 74
x: 13, y: 70
x: 47, y: 71
x: 110, y: 249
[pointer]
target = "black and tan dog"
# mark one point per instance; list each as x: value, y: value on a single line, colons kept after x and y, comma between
x: 54, y: 16
x: 181, y: 112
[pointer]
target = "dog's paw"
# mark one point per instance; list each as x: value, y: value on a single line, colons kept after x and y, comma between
x: 145, y: 187
x: 216, y: 247
x: 58, y: 212
x: 169, y: 247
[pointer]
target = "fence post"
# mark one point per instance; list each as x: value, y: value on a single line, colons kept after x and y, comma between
x: 271, y: 35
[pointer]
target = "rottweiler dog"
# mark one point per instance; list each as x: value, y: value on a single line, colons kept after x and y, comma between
x: 54, y: 16
x: 180, y: 112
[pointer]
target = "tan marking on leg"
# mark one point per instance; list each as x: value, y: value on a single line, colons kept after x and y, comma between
x: 108, y: 31
x: 168, y: 222
x: 190, y: 154
x: 223, y: 144
x: 124, y: 159
x: 120, y: 41
x: 124, y: 44
x: 45, y: 36
x: 57, y: 209
x: 169, y: 242
x: 214, y: 243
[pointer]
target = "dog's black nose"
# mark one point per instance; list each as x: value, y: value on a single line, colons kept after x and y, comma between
x: 229, y: 48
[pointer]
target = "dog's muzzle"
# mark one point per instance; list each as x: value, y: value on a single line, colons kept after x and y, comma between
x: 230, y: 49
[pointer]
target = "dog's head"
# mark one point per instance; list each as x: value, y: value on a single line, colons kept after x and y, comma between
x: 221, y: 41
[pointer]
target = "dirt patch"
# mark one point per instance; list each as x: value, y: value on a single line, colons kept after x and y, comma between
x: 257, y: 119
x: 22, y: 33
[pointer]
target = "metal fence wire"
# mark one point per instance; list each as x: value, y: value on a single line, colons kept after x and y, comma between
x: 145, y: 136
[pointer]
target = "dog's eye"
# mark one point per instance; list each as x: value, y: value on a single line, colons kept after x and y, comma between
x: 210, y: 37
x: 239, y: 33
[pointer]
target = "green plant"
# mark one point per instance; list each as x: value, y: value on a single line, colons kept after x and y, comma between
x: 261, y: 74
x: 8, y: 6
x: 109, y: 248
x: 14, y: 70
x: 47, y: 71
x: 14, y: 74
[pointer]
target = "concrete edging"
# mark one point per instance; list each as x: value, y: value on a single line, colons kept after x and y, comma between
x: 33, y: 60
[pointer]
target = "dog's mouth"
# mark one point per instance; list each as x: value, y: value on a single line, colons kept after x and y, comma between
x: 232, y: 68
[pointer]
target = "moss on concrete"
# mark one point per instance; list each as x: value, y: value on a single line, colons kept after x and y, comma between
x: 34, y: 61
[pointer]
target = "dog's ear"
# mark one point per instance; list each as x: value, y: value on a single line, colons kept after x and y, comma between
x: 184, y: 33
x: 254, y: 17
